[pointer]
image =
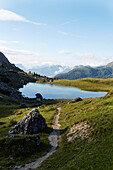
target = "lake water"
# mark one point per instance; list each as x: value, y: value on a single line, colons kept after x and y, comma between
x: 57, y: 92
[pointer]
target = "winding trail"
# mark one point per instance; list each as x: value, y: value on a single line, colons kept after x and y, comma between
x: 53, y: 139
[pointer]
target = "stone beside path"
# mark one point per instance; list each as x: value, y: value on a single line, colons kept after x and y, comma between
x: 53, y: 139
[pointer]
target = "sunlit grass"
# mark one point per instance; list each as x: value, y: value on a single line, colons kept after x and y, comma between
x: 88, y: 84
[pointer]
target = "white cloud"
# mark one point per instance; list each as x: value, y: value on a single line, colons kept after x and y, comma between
x: 85, y: 55
x: 63, y: 33
x: 8, y: 42
x: 68, y: 22
x: 71, y: 35
x: 6, y: 15
x: 59, y: 71
x: 63, y: 52
x: 91, y: 59
x: 65, y: 23
x: 25, y: 57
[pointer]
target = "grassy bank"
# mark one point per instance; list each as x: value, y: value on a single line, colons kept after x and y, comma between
x: 88, y: 84
x: 95, y: 151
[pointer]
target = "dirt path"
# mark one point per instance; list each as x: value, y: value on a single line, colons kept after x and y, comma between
x: 53, y: 139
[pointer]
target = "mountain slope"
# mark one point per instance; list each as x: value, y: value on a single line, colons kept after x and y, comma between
x: 88, y: 72
x: 5, y: 65
x: 11, y: 77
x: 49, y: 70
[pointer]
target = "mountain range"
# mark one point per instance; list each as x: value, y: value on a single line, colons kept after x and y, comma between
x: 88, y: 72
x: 48, y: 70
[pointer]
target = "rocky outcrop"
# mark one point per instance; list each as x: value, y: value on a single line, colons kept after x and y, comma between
x: 78, y: 99
x: 32, y: 123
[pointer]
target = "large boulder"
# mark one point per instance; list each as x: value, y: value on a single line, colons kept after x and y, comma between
x: 32, y: 123
x: 78, y: 99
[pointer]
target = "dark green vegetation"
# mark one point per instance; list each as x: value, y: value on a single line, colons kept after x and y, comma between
x: 94, y: 152
x: 88, y: 72
x: 21, y: 149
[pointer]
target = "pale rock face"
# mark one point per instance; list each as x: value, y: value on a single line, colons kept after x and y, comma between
x: 32, y: 123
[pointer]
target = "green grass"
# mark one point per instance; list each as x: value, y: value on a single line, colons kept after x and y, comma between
x: 18, y: 150
x: 89, y: 84
x: 95, y: 152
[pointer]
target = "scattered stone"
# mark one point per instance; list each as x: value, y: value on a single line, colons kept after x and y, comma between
x: 79, y: 130
x: 32, y: 123
x: 17, y: 167
x: 76, y: 100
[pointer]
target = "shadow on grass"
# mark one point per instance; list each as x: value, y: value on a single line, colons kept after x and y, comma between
x: 2, y: 123
x: 59, y: 131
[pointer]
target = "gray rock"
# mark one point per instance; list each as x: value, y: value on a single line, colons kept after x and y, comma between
x: 17, y: 167
x: 32, y: 123
x: 76, y: 100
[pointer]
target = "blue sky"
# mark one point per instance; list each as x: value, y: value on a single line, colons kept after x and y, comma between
x: 67, y: 32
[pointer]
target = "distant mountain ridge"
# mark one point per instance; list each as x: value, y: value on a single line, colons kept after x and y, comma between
x: 88, y: 72
x: 48, y: 70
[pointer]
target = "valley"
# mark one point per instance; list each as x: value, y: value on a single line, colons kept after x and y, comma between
x: 85, y: 128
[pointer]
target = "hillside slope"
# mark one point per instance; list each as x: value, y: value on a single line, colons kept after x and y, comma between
x: 11, y: 77
x: 86, y: 136
x: 88, y: 72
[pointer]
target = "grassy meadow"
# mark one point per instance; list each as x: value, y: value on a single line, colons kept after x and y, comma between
x: 89, y: 84
x: 92, y: 152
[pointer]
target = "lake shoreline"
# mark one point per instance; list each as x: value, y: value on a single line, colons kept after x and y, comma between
x: 51, y: 91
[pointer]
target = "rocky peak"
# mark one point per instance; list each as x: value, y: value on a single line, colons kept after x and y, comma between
x: 3, y: 59
x: 5, y: 65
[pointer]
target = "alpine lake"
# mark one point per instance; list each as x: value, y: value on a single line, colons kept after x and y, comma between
x: 49, y: 91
